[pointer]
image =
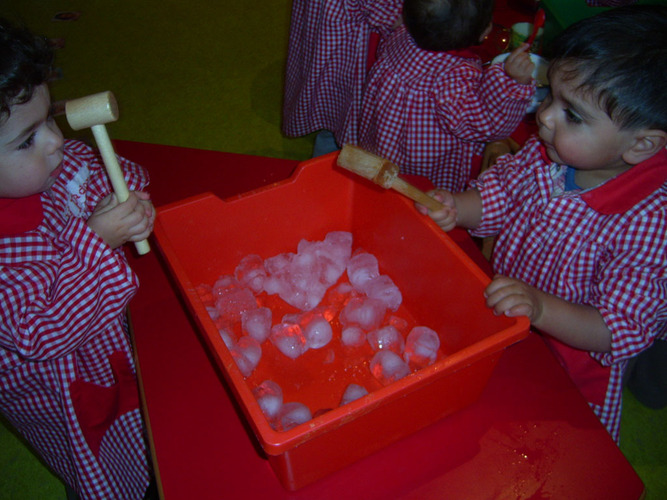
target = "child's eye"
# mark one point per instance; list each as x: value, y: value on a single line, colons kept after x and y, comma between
x: 28, y: 142
x: 572, y: 117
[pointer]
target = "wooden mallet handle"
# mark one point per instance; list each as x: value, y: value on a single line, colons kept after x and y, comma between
x: 383, y: 173
x: 94, y: 111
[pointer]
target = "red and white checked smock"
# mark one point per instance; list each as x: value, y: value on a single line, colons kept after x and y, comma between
x: 67, y: 376
x: 327, y: 61
x: 430, y: 112
x: 605, y: 247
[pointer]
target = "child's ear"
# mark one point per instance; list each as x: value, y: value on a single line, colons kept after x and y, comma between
x: 646, y: 144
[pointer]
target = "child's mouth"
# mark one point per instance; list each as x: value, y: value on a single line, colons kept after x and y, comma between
x: 57, y: 171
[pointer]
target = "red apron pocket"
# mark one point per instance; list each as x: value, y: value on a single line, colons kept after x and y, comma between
x: 97, y: 407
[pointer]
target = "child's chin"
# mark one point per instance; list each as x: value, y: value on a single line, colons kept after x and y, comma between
x: 551, y: 153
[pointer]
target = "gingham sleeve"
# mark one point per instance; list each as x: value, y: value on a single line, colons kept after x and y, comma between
x: 58, y: 293
x: 501, y: 184
x: 480, y: 106
x: 506, y: 100
x: 631, y: 289
x: 381, y: 16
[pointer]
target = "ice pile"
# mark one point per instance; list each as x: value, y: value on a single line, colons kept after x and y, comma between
x: 422, y: 346
x: 353, y: 336
x: 246, y: 353
x: 387, y: 337
x: 303, y: 278
x: 388, y: 367
x: 289, y: 339
x: 292, y: 414
x: 257, y: 323
x: 297, y: 333
x: 354, y: 312
x: 396, y: 358
x: 352, y: 393
x: 364, y: 275
x: 281, y: 416
x: 284, y: 416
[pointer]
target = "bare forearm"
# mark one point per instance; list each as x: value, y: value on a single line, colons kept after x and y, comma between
x: 576, y: 325
x: 468, y: 208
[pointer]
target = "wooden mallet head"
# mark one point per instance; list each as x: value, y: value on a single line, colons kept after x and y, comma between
x: 95, y: 111
x: 383, y: 173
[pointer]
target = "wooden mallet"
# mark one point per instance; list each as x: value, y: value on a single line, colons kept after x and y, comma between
x: 94, y: 111
x: 383, y: 173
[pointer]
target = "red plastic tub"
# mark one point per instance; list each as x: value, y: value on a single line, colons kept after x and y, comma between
x: 205, y: 237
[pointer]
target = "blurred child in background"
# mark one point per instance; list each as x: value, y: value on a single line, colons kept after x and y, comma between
x: 327, y: 65
x: 429, y: 105
x: 67, y: 374
x: 580, y: 212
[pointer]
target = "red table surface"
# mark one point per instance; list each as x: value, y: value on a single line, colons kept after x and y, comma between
x: 531, y: 434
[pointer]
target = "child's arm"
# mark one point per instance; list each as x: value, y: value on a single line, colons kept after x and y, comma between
x: 68, y: 291
x: 98, y: 186
x: 579, y: 326
x: 518, y: 65
x: 480, y: 105
x: 461, y: 209
x: 117, y: 223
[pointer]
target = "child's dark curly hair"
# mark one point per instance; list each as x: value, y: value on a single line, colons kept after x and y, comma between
x: 25, y: 63
x: 442, y: 25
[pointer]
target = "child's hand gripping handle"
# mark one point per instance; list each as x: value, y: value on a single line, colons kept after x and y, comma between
x: 94, y: 111
x: 383, y: 173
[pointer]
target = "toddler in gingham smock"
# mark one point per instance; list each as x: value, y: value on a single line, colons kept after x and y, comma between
x: 429, y: 105
x: 580, y: 212
x: 67, y: 374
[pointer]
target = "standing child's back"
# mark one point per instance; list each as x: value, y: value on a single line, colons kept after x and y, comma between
x: 428, y: 106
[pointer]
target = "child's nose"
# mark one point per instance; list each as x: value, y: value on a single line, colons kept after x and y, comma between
x: 55, y: 139
x: 544, y: 115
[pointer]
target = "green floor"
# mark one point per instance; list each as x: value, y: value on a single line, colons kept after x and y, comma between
x: 206, y: 74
